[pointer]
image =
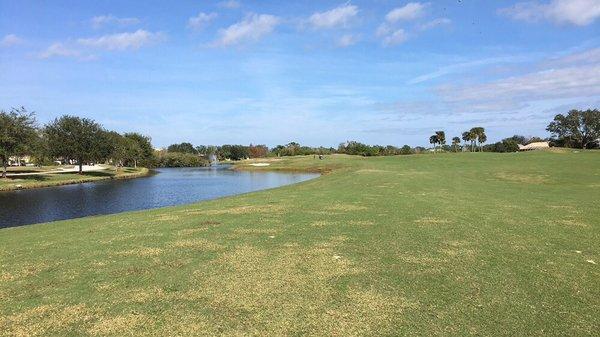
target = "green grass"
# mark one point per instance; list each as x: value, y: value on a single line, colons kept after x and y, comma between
x: 446, y: 244
x: 66, y: 178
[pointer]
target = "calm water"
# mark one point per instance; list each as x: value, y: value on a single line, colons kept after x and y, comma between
x: 172, y: 186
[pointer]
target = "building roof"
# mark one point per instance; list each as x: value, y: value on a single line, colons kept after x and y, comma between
x: 534, y: 146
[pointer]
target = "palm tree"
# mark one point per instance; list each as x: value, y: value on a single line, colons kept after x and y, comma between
x: 478, y: 134
x: 473, y: 137
x: 433, y: 140
x: 441, y: 137
x: 455, y: 142
x: 466, y: 136
x: 482, y: 139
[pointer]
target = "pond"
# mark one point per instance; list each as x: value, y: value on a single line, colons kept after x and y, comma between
x: 168, y: 187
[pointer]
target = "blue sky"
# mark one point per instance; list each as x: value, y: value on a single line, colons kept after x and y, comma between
x: 314, y: 72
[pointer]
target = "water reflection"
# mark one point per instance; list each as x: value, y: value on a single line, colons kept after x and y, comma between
x: 173, y: 186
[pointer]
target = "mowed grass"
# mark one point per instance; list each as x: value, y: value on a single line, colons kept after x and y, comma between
x: 446, y: 244
x: 65, y: 178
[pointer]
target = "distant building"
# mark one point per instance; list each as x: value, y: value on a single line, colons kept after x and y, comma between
x: 19, y: 160
x: 534, y: 146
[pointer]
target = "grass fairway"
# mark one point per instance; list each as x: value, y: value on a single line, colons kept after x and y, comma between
x: 447, y: 244
x: 66, y: 178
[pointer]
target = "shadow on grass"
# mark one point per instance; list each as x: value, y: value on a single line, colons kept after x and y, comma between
x: 49, y: 177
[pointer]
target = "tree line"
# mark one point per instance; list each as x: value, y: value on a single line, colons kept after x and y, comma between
x: 576, y: 129
x: 76, y: 140
x: 68, y: 139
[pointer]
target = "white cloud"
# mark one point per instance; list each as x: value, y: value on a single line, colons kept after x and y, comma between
x: 395, y: 37
x: 347, y: 40
x: 60, y: 50
x: 102, y: 20
x: 410, y: 11
x: 252, y: 28
x: 339, y: 16
x: 435, y: 23
x: 201, y: 20
x: 10, y: 40
x: 576, y: 12
x: 568, y: 82
x: 230, y: 4
x: 123, y: 41
x: 591, y: 56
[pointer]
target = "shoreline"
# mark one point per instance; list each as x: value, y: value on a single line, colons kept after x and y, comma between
x: 142, y: 172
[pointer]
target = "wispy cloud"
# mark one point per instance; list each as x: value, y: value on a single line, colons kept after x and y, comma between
x: 123, y: 41
x: 575, y: 12
x: 410, y: 11
x: 10, y: 40
x: 393, y: 37
x: 347, y: 40
x: 59, y: 49
x: 337, y: 17
x: 570, y: 79
x: 390, y: 32
x: 467, y: 65
x: 201, y: 20
x: 229, y: 4
x: 435, y: 23
x: 251, y: 29
x: 103, y: 20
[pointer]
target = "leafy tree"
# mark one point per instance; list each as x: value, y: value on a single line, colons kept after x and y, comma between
x: 406, y: 150
x: 434, y: 140
x: 580, y: 127
x: 509, y: 145
x: 455, y: 142
x: 145, y: 156
x: 182, y: 148
x: 178, y: 159
x: 17, y: 134
x: 75, y: 138
x: 258, y: 151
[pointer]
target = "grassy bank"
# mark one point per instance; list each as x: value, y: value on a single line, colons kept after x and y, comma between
x: 446, y: 244
x: 66, y: 178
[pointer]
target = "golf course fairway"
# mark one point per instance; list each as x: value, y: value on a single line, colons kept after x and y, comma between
x: 437, y: 244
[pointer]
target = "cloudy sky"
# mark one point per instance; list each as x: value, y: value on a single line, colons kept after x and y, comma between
x: 314, y: 72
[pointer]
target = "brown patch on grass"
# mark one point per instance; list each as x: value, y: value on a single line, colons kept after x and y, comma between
x: 166, y: 217
x: 458, y: 249
x: 572, y: 223
x: 141, y: 252
x: 210, y: 223
x: 126, y: 324
x: 132, y: 237
x: 361, y: 223
x: 431, y: 221
x: 31, y: 270
x: 239, y: 210
x: 523, y: 178
x: 190, y: 231
x: 144, y: 295
x: 345, y: 207
x: 365, y: 312
x: 261, y: 231
x: 199, y: 244
x: 270, y: 288
x: 373, y: 171
x: 322, y: 223
x: 105, y: 286
x: 422, y: 259
x: 45, y: 320
x: 6, y: 276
